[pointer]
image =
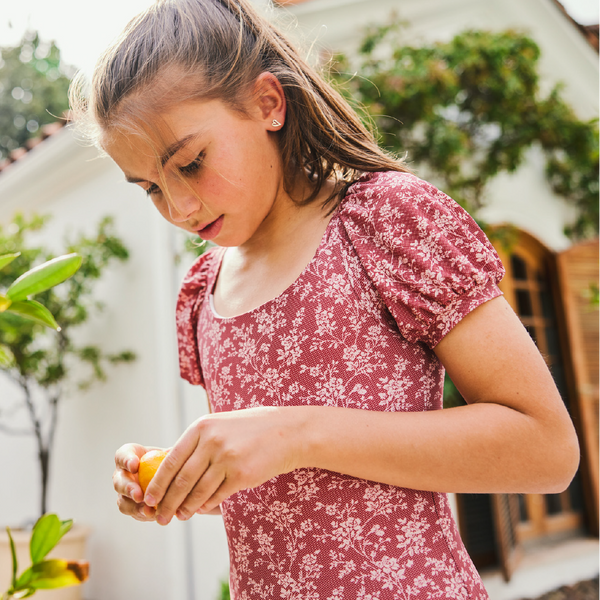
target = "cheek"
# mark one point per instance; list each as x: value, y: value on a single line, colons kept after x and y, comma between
x: 162, y: 207
x: 220, y: 181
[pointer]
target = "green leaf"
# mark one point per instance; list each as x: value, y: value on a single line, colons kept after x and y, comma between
x: 6, y: 259
x: 4, y: 303
x: 44, y: 276
x: 34, y: 311
x: 13, y: 553
x: 65, y: 527
x: 44, y: 537
x: 54, y: 573
x: 25, y: 593
x: 6, y: 356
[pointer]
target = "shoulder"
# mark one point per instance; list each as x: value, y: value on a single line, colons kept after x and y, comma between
x: 395, y: 209
x: 191, y: 295
x: 194, y: 285
x: 381, y: 184
x: 200, y: 273
x: 428, y: 258
x: 400, y: 196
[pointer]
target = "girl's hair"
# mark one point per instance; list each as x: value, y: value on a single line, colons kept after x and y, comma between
x: 179, y: 50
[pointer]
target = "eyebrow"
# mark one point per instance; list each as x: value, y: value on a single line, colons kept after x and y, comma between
x: 169, y: 152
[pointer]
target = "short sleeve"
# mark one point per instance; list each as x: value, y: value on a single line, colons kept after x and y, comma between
x: 189, y: 302
x: 428, y: 259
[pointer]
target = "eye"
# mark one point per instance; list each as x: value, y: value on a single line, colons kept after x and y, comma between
x: 193, y: 167
x: 153, y: 189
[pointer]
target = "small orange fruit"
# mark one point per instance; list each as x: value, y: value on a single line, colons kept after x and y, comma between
x: 149, y: 464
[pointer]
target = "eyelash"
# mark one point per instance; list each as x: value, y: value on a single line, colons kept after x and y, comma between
x: 189, y: 169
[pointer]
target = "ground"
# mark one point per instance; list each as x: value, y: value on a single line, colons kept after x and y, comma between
x: 584, y: 590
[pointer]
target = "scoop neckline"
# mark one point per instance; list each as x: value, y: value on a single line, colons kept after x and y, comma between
x: 287, y: 290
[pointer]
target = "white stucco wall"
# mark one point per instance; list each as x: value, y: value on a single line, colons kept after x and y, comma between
x: 145, y: 402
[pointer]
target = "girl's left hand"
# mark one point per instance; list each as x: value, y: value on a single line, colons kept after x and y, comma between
x: 219, y: 455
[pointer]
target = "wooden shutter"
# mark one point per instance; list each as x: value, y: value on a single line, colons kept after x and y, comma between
x: 577, y: 270
x: 506, y: 517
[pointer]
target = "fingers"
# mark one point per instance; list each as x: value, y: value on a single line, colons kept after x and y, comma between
x: 139, y: 511
x: 181, y: 487
x: 204, y: 491
x: 125, y: 482
x: 128, y: 457
x: 177, y: 474
x: 130, y: 496
x: 226, y: 489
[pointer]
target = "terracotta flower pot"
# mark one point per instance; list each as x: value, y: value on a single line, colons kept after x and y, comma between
x: 71, y: 547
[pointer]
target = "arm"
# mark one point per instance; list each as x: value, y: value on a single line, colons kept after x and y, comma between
x: 514, y: 436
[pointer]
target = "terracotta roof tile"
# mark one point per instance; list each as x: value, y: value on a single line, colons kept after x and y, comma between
x: 45, y: 132
x: 590, y: 32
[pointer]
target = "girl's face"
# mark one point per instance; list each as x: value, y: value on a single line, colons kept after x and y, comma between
x: 231, y: 167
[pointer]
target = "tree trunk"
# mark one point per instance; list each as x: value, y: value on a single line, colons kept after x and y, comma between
x: 44, y: 455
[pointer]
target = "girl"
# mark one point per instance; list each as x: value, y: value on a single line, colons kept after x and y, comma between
x: 340, y: 288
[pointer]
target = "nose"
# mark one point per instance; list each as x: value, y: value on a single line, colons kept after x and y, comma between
x: 182, y: 204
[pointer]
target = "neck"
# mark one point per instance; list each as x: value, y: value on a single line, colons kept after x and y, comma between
x: 288, y: 224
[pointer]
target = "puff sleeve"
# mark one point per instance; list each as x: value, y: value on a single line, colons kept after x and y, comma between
x: 429, y: 261
x: 189, y: 301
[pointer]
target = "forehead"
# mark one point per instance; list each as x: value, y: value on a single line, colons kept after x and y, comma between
x: 152, y: 135
x: 157, y: 126
x: 139, y: 141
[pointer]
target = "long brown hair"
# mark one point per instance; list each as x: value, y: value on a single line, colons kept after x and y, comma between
x: 215, y: 49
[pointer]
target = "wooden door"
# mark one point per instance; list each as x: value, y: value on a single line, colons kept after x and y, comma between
x: 554, y: 298
x: 531, y: 286
x: 577, y: 270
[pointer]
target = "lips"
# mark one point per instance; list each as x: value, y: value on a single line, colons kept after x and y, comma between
x: 210, y: 231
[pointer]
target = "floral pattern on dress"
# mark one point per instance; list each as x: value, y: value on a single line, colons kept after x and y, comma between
x: 399, y: 265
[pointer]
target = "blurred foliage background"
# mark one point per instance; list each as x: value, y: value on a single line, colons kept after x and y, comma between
x: 44, y: 364
x: 33, y: 90
x: 469, y: 109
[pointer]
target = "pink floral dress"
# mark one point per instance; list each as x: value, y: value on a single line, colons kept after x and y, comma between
x: 399, y: 265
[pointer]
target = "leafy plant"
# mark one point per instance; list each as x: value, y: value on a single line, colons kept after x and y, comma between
x: 34, y: 85
x: 40, y: 363
x: 33, y: 282
x: 44, y: 573
x: 224, y: 593
x: 469, y: 109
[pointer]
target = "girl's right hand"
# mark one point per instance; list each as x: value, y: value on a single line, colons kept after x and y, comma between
x: 125, y: 481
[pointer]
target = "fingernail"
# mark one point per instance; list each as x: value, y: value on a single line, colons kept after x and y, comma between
x: 181, y: 515
x: 162, y: 520
x: 149, y: 500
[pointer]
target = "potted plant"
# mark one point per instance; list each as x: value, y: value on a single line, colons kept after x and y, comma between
x: 40, y: 362
x: 44, y: 574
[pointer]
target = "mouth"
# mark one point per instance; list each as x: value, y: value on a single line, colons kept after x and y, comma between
x: 210, y: 230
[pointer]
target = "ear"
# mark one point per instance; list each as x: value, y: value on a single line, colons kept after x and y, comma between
x: 270, y: 101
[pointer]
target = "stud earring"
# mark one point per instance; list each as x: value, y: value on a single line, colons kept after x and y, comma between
x: 276, y: 123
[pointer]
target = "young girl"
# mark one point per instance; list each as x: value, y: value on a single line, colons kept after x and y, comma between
x: 340, y: 288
